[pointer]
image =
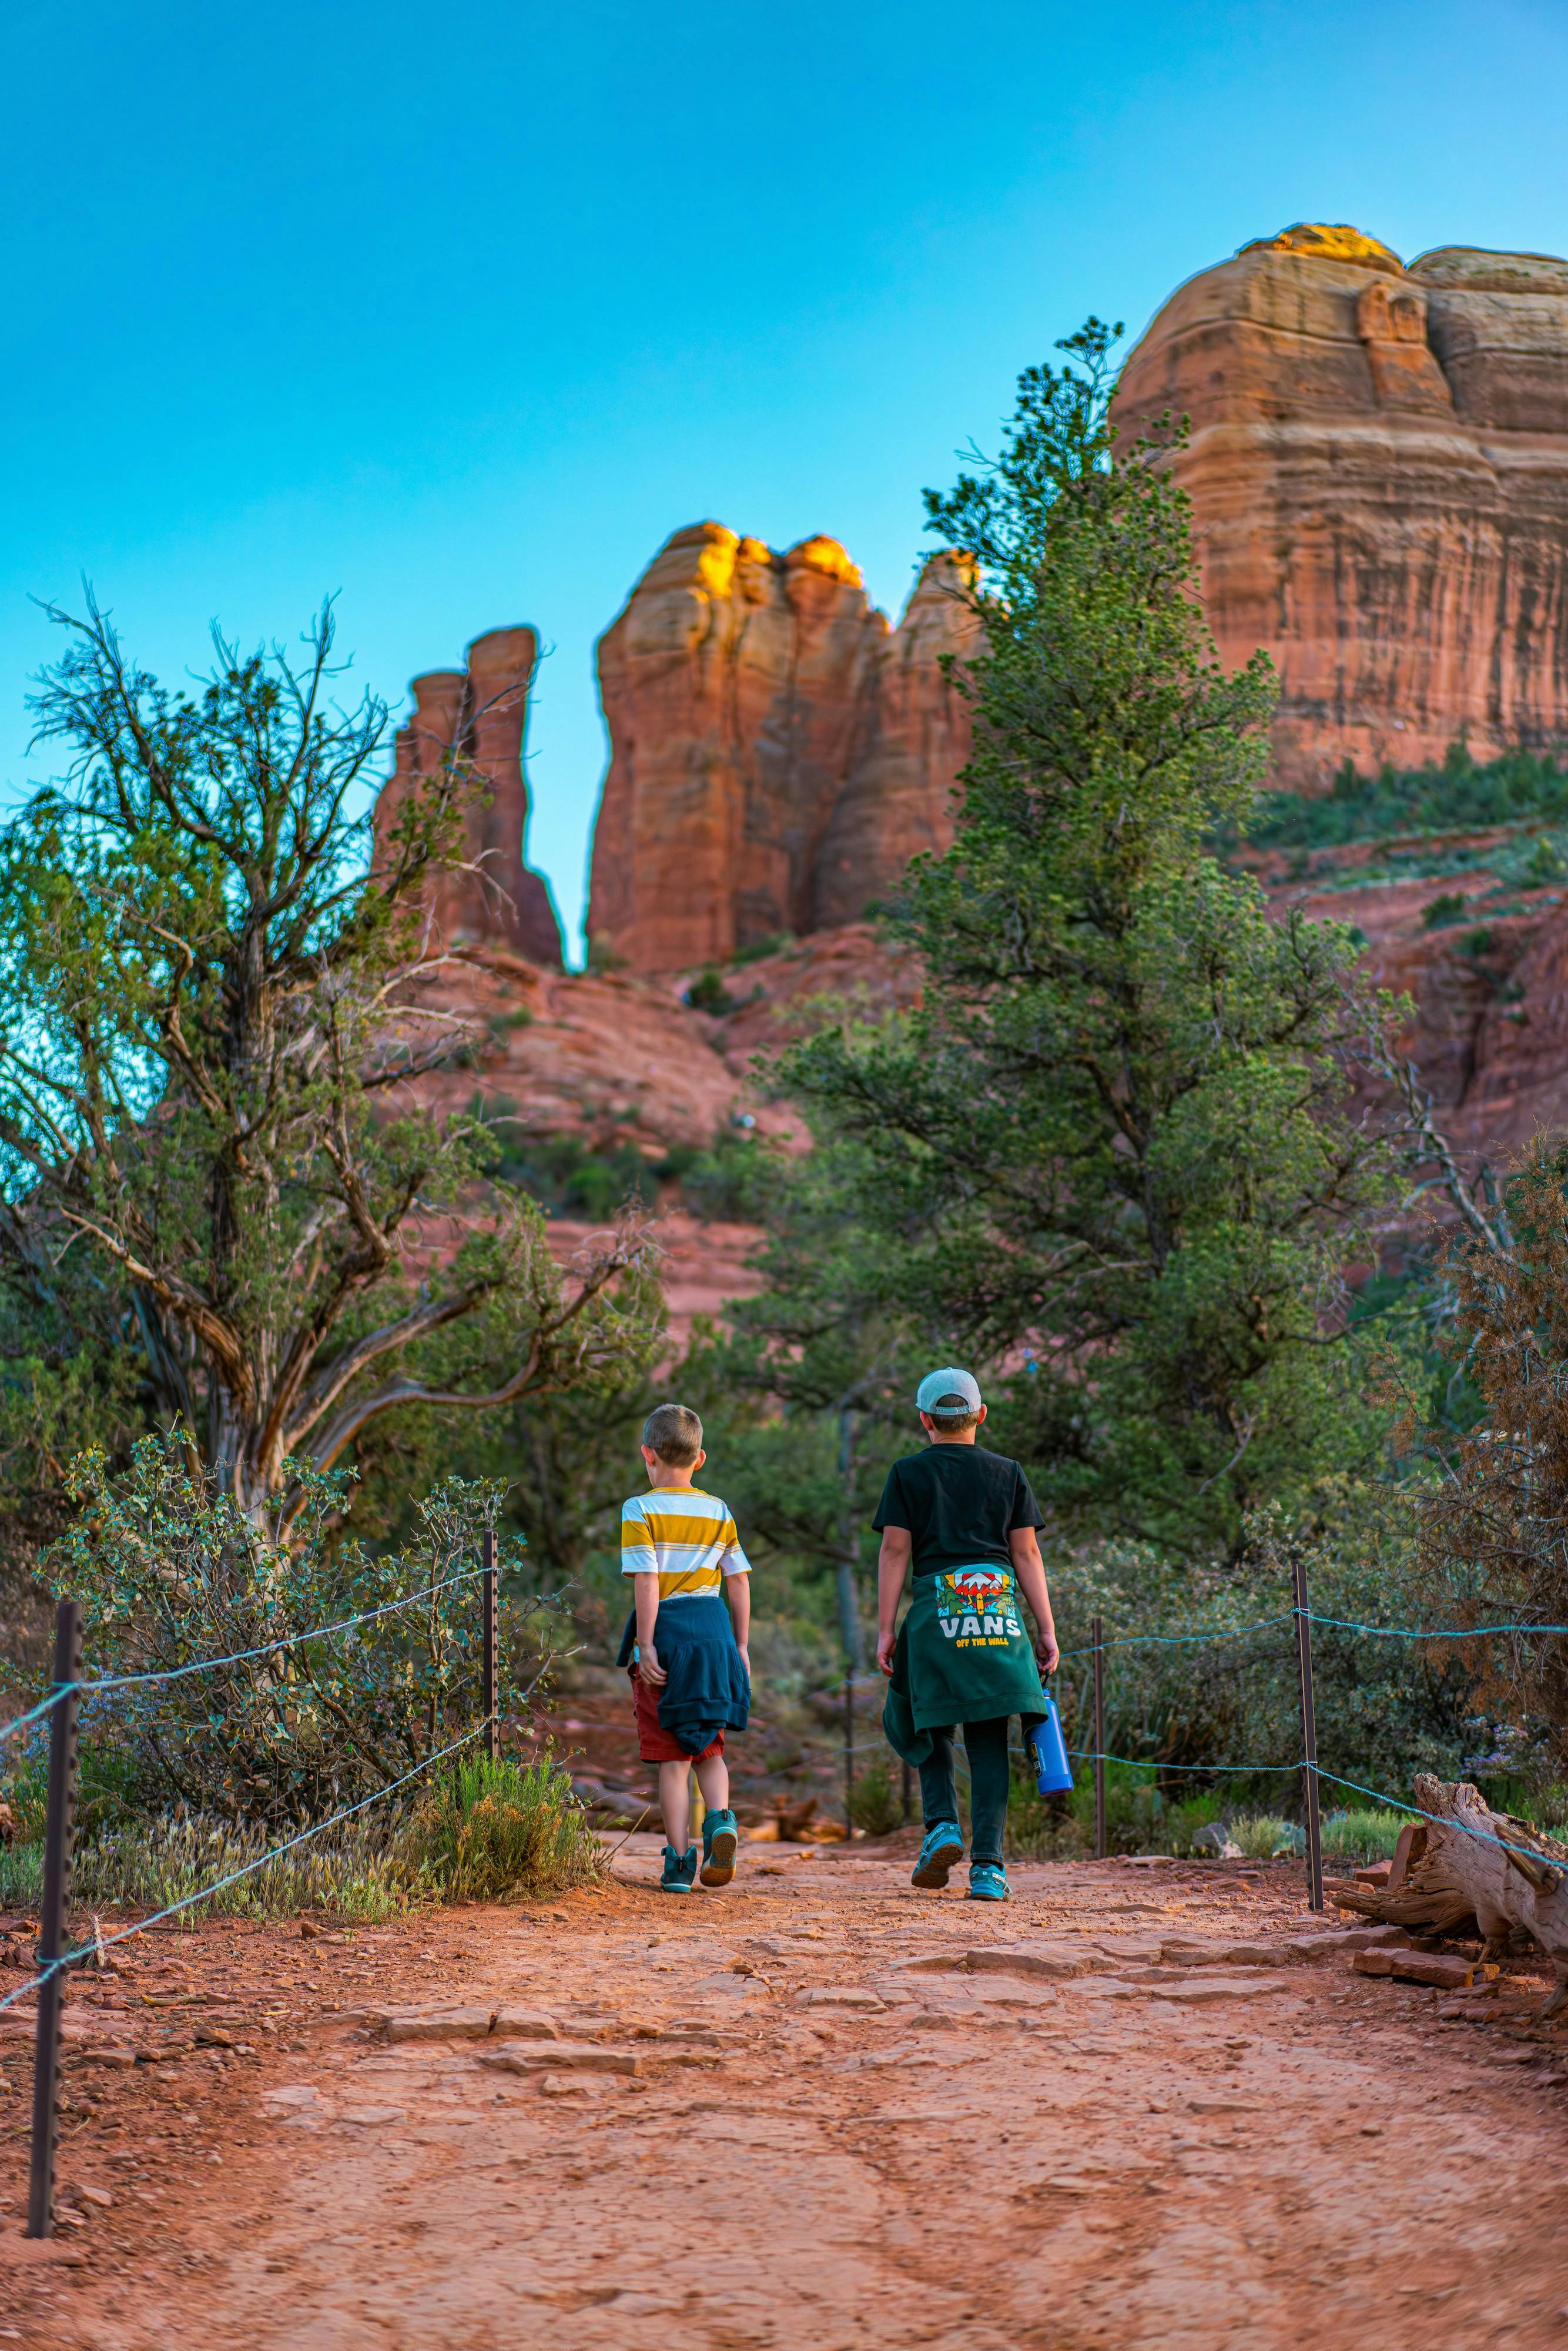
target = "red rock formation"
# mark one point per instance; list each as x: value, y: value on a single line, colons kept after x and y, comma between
x: 898, y: 801
x: 776, y: 756
x: 478, y: 716
x: 1379, y: 474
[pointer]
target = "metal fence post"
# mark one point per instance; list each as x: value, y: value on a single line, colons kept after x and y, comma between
x: 1309, y: 1735
x: 52, y: 1940
x: 850, y: 1752
x: 492, y: 1650
x: 1098, y: 1637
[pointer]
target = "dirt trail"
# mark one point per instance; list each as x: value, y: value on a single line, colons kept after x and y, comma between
x: 843, y: 2134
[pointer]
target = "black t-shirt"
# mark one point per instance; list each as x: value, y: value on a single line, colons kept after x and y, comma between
x: 959, y: 1506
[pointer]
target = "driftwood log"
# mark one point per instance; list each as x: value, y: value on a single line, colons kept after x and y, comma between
x: 1467, y: 1868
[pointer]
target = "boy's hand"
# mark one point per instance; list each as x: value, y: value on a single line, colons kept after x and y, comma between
x: 649, y: 1669
x: 886, y: 1644
x: 1047, y: 1653
x: 745, y: 1657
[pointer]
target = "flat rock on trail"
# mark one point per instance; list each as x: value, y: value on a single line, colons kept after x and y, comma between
x: 819, y: 2111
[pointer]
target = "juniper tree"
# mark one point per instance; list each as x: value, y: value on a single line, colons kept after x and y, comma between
x: 218, y: 1168
x: 1112, y: 1141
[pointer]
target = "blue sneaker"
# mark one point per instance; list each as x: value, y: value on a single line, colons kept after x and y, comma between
x: 987, y: 1882
x: 942, y: 1851
x: 720, y: 1837
x: 679, y: 1876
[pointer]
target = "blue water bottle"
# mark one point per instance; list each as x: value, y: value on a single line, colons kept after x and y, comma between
x: 1052, y: 1771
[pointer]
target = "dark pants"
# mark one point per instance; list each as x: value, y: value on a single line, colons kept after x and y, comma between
x: 985, y: 1746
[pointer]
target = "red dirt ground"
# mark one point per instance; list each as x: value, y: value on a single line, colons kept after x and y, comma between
x: 822, y: 2147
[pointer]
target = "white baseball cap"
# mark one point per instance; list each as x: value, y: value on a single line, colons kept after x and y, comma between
x: 929, y: 1395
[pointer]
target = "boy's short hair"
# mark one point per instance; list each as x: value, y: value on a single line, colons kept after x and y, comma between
x: 953, y: 1414
x: 675, y: 1433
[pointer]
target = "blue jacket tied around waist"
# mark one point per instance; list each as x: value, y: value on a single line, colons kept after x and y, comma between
x: 708, y: 1688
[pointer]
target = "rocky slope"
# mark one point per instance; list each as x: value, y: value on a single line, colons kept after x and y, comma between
x: 1379, y: 468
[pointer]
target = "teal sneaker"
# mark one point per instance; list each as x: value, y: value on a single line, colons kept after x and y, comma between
x: 988, y: 1882
x: 942, y: 1851
x: 679, y: 1876
x: 720, y: 1837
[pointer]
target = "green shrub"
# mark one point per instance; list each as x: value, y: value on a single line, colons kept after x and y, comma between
x: 1367, y: 1834
x: 707, y: 993
x: 1134, y: 1808
x: 876, y: 1806
x: 485, y: 1831
x: 355, y: 1871
x: 1459, y: 795
x: 1261, y: 1835
x: 1446, y: 907
x: 755, y: 950
x: 1183, y: 1821
x: 1044, y: 1828
x: 172, y: 1571
x: 21, y: 1876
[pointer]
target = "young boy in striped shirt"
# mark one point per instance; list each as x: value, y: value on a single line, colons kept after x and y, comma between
x: 691, y: 1677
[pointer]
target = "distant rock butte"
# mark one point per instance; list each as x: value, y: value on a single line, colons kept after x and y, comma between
x: 777, y: 754
x: 1379, y: 468
x: 479, y: 715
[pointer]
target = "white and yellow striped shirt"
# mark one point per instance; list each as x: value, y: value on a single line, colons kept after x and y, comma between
x: 685, y: 1537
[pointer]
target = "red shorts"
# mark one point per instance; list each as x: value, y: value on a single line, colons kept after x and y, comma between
x: 655, y: 1744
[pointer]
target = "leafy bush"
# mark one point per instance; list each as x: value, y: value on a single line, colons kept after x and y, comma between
x: 170, y: 1572
x: 876, y: 1806
x: 1457, y: 796
x: 1134, y: 1808
x: 1369, y: 1834
x: 1261, y: 1835
x: 484, y: 1831
x: 1043, y: 1828
x: 1183, y: 1821
x: 1447, y: 907
x: 707, y: 993
x: 355, y: 1871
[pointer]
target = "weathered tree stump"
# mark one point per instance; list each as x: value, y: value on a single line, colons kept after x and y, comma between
x: 1468, y: 1869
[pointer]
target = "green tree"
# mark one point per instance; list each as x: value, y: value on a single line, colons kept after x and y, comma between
x: 1111, y: 1140
x: 214, y: 1155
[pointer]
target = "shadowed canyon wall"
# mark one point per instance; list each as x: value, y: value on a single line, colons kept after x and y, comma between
x: 1379, y: 468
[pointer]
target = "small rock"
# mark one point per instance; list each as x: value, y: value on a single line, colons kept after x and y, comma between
x: 580, y: 2056
x: 293, y: 2094
x: 98, y: 2195
x: 1211, y: 1988
x: 1053, y: 1961
x: 845, y: 1996
x: 310, y: 1932
x: 121, y: 2060
x: 524, y: 2025
x: 67, y: 2217
x: 368, y: 2117
x: 213, y: 2036
x: 1433, y: 1968
x: 440, y: 2024
x: 1372, y: 2130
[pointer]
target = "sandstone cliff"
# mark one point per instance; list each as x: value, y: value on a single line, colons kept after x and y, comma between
x: 1378, y: 468
x: 478, y: 716
x: 777, y: 753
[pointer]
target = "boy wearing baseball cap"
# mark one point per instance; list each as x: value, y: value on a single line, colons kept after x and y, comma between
x: 962, y: 1522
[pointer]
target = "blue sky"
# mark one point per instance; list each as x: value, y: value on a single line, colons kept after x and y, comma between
x: 459, y: 311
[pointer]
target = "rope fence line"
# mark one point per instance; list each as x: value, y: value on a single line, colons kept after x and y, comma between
x: 204, y: 1894
x: 85, y: 1688
x: 68, y: 1685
